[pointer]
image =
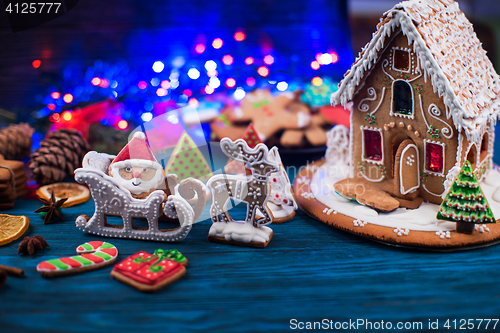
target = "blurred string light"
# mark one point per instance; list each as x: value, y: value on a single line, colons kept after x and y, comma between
x: 269, y: 59
x: 263, y: 71
x: 165, y: 84
x: 122, y: 124
x: 193, y: 73
x: 217, y: 43
x: 66, y: 115
x: 147, y: 116
x: 239, y: 36
x: 250, y: 81
x: 36, y: 63
x: 282, y: 86
x: 199, y: 48
x: 315, y: 65
x: 249, y: 60
x: 193, y: 102
x: 158, y: 66
x: 55, y: 95
x: 155, y: 82
x: 239, y: 94
x: 317, y: 81
x: 230, y: 83
x: 227, y: 59
x: 68, y: 98
x: 142, y: 85
x: 210, y: 65
x: 214, y: 82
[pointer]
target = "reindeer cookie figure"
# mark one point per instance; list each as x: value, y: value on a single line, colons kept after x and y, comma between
x: 281, y: 199
x: 253, y: 190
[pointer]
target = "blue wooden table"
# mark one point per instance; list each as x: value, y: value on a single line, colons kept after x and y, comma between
x: 308, y: 272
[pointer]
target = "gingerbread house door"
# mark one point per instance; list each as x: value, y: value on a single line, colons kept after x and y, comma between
x: 407, y: 170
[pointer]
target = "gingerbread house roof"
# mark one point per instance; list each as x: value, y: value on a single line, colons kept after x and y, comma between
x: 450, y: 54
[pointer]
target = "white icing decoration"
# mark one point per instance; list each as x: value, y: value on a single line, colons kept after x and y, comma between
x: 432, y: 193
x: 442, y: 234
x: 401, y: 231
x: 411, y: 189
x: 422, y: 218
x: 240, y: 232
x: 337, y: 141
x: 329, y: 211
x: 359, y: 223
x: 482, y: 228
x: 362, y: 106
x: 470, y: 101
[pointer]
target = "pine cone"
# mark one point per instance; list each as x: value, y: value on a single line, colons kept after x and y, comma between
x: 15, y: 141
x: 60, y: 153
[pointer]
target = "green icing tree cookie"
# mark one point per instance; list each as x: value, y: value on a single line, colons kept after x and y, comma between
x: 188, y: 161
x: 465, y: 202
x: 237, y: 168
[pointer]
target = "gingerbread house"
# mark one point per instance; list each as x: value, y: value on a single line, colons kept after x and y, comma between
x: 424, y: 100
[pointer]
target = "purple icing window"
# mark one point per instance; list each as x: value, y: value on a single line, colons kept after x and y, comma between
x: 372, y: 144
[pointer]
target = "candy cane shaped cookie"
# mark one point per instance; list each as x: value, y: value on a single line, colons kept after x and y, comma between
x: 91, y: 255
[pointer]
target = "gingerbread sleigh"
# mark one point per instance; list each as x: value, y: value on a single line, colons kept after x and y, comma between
x: 127, y: 186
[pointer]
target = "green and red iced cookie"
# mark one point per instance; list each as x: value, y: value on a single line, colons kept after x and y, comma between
x: 91, y: 255
x: 151, y: 272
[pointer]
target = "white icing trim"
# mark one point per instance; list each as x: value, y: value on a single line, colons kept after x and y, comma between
x: 385, y: 63
x: 362, y: 106
x: 363, y: 158
x: 469, y: 146
x: 372, y: 180
x: 401, y: 189
x: 398, y: 18
x: 394, y: 48
x: 365, y: 107
x: 435, y: 113
x: 351, y: 145
x: 407, y: 116
x: 440, y: 174
x: 432, y: 193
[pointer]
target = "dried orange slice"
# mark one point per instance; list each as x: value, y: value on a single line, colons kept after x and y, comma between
x: 75, y: 193
x: 12, y: 227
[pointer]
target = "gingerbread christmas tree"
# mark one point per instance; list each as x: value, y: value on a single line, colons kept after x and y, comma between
x: 465, y: 202
x: 188, y: 161
x: 252, y: 138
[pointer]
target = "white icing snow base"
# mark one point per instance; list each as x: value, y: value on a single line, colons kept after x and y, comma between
x: 423, y: 218
x: 278, y: 211
x: 240, y: 231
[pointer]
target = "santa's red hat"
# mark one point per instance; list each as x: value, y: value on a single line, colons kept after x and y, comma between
x: 136, y: 153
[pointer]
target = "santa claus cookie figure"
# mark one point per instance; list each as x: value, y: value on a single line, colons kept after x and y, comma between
x: 136, y: 169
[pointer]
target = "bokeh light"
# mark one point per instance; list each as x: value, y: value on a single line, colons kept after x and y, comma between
x: 315, y: 65
x: 209, y: 90
x: 227, y: 59
x: 96, y: 81
x: 217, y: 43
x: 239, y: 94
x: 230, y: 83
x: 68, y: 98
x: 193, y: 102
x: 122, y: 124
x: 263, y: 71
x: 165, y: 84
x: 239, y: 36
x: 210, y: 65
x: 268, y: 59
x: 282, y: 86
x: 317, y: 81
x: 249, y: 60
x: 142, y: 85
x: 193, y: 73
x: 66, y: 115
x: 147, y: 116
x: 36, y: 63
x: 158, y: 66
x: 55, y: 95
x: 250, y: 81
x: 200, y: 48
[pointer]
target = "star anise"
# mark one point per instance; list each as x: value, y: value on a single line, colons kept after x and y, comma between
x: 51, y: 207
x: 30, y: 244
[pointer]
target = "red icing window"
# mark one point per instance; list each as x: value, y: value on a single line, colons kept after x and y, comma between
x: 434, y: 157
x: 373, y: 145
